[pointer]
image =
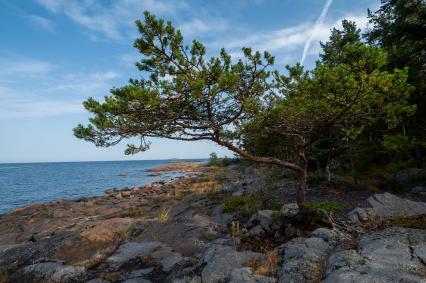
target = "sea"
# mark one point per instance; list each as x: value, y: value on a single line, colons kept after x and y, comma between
x: 29, y: 183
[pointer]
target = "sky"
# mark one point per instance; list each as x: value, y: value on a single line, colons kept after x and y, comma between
x: 54, y: 54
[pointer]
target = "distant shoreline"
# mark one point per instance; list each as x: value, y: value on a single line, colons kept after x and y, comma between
x: 132, y: 160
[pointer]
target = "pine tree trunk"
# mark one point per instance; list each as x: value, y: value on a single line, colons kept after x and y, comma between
x: 301, y: 191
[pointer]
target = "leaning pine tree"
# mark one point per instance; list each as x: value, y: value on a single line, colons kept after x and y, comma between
x: 190, y: 98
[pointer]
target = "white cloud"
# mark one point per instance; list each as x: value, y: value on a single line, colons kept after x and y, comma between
x: 41, y: 22
x: 289, y: 41
x: 22, y: 66
x: 32, y: 108
x: 112, y: 19
x: 199, y: 26
x: 129, y: 59
x: 51, y: 5
x: 317, y: 26
x: 30, y: 88
x: 82, y: 84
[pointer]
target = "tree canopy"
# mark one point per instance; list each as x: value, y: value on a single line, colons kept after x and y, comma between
x: 186, y: 96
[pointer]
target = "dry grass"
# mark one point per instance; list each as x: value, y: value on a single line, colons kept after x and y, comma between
x: 267, y: 267
x: 235, y: 229
x: 179, y: 166
x: 205, y: 187
x: 135, y: 212
x: 164, y: 215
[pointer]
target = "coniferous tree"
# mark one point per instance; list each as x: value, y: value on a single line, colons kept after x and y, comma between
x: 189, y: 97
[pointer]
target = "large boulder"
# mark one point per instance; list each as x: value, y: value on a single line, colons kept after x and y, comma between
x: 50, y: 272
x: 290, y: 209
x: 409, y: 176
x: 302, y: 260
x: 381, y: 207
x: 393, y: 255
x: 13, y: 257
x: 157, y: 253
x: 220, y: 260
x: 262, y: 221
x: 246, y: 275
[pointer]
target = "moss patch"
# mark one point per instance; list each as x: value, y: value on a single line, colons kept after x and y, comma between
x: 328, y: 206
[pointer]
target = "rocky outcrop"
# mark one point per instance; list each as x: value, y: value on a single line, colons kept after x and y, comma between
x: 220, y: 261
x: 392, y: 255
x: 290, y: 209
x: 302, y: 260
x: 50, y: 272
x: 409, y: 176
x: 246, y: 275
x: 381, y: 207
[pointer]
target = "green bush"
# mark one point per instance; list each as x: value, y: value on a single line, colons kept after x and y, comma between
x: 242, y: 205
x: 328, y: 206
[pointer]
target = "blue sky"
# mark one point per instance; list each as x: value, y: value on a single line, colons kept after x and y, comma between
x: 56, y: 53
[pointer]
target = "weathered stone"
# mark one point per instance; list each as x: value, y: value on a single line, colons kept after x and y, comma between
x: 221, y: 260
x: 246, y: 275
x: 19, y: 255
x: 392, y: 255
x: 302, y: 260
x: 136, y: 191
x: 330, y: 236
x: 167, y: 258
x: 50, y: 272
x: 130, y: 251
x: 386, y: 206
x: 418, y: 190
x: 290, y: 209
x: 342, y: 259
x: 139, y: 275
x: 410, y: 175
x: 363, y: 215
x: 262, y: 222
x: 110, y: 191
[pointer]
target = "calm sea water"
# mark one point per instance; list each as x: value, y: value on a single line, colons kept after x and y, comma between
x: 27, y: 183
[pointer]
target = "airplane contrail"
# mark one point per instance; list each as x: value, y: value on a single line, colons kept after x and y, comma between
x: 319, y: 22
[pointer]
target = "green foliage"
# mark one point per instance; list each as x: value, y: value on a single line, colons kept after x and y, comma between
x: 315, y: 179
x: 277, y: 214
x: 328, y: 206
x: 398, y: 27
x: 242, y: 205
x: 214, y: 160
x: 260, y: 115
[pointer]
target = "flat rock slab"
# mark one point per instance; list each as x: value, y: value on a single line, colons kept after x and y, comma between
x: 381, y: 207
x: 302, y: 260
x: 221, y: 260
x: 156, y: 253
x: 393, y: 255
x: 50, y: 272
x: 245, y: 275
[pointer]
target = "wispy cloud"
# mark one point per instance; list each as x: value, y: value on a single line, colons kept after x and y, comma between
x: 316, y: 27
x: 287, y: 43
x: 41, y: 22
x: 47, y: 90
x: 198, y: 26
x: 22, y: 66
x: 110, y: 20
x: 13, y: 108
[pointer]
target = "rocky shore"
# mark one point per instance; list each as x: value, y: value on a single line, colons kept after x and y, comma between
x: 228, y: 224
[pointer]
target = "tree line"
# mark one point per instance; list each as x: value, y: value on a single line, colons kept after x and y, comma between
x: 360, y: 105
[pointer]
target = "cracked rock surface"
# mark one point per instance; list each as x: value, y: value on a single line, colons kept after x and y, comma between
x: 392, y: 255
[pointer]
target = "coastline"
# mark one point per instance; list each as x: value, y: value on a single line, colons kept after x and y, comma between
x: 215, y: 224
x: 37, y: 183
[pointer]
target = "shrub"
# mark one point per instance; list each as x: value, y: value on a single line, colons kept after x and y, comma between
x: 328, y: 206
x: 242, y: 205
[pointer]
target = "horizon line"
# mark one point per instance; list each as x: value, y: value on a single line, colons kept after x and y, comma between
x: 122, y: 160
